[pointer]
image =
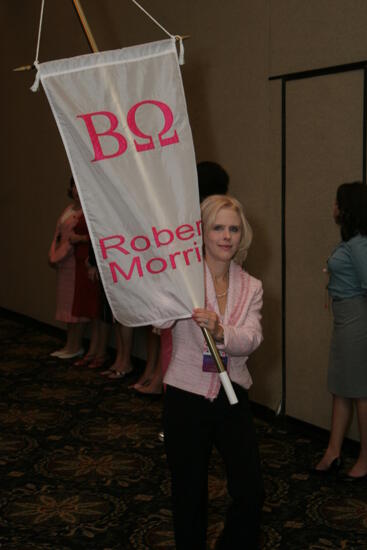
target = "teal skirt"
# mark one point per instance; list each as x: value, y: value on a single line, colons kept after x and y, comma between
x: 347, y: 375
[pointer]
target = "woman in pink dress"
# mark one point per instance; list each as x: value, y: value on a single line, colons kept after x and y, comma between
x: 77, y: 297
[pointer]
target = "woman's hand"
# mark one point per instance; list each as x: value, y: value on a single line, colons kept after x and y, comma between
x: 209, y: 320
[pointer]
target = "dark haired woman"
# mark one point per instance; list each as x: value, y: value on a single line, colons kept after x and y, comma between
x: 347, y: 375
x: 212, y: 179
x: 77, y: 297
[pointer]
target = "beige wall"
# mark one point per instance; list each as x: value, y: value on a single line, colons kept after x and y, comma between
x: 235, y: 116
x: 321, y: 112
x: 310, y: 34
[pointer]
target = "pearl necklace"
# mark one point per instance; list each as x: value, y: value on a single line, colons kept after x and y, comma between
x: 222, y: 294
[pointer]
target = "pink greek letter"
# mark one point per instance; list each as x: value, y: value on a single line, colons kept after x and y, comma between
x: 168, y: 121
x: 95, y: 136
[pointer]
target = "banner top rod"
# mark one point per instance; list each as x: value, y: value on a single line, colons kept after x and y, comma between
x: 87, y: 31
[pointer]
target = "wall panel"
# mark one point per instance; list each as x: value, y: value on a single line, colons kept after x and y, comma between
x: 324, y: 121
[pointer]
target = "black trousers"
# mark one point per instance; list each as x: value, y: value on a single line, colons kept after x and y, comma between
x: 192, y: 425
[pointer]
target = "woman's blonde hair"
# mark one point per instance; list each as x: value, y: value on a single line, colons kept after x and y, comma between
x: 209, y: 210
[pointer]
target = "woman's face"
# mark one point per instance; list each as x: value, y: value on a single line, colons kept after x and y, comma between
x: 223, y: 237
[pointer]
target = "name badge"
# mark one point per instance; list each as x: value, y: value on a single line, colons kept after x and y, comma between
x: 209, y: 364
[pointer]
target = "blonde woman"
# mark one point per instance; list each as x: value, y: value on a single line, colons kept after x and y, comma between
x: 197, y: 414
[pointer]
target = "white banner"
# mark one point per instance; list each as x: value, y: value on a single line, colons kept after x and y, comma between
x: 123, y: 120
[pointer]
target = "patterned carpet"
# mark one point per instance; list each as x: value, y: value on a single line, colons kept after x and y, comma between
x: 82, y: 466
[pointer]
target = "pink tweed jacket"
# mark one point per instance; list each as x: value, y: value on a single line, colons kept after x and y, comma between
x: 242, y: 335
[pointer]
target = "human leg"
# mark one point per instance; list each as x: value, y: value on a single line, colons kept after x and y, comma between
x: 188, y: 446
x: 94, y: 337
x: 99, y: 355
x: 152, y: 378
x: 104, y: 331
x: 235, y: 439
x: 340, y: 420
x: 64, y: 301
x: 74, y: 337
x: 154, y: 386
x: 121, y: 365
x: 152, y: 347
x: 93, y: 343
x: 360, y: 467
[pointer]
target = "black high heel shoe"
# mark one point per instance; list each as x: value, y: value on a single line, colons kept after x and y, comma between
x: 354, y: 479
x: 333, y: 468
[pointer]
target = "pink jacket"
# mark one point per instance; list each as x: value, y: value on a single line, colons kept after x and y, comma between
x: 242, y: 335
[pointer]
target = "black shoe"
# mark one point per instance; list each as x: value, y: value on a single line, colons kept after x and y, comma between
x: 333, y: 468
x: 354, y: 479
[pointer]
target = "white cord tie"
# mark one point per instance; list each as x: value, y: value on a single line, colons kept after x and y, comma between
x: 152, y: 18
x: 36, y: 82
x: 181, y: 55
x: 35, y: 85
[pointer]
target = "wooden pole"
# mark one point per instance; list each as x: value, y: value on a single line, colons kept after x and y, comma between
x: 84, y: 23
x: 208, y: 337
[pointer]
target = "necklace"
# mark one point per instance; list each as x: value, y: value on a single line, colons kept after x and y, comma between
x: 221, y: 294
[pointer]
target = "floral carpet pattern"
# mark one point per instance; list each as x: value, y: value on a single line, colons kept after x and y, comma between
x: 82, y: 466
